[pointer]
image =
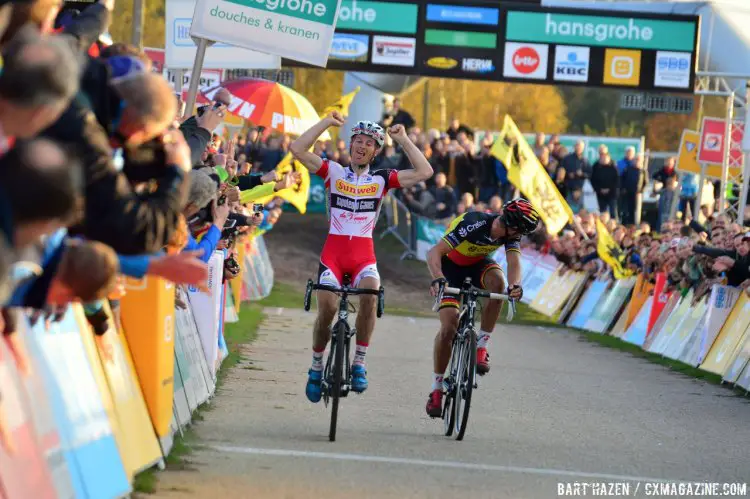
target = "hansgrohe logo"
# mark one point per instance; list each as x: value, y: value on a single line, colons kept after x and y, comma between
x: 614, y: 29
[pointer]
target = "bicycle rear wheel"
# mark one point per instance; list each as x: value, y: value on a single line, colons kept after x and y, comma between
x: 465, y: 378
x: 337, y: 372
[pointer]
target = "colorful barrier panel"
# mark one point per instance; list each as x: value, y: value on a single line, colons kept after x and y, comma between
x: 135, y: 437
x: 81, y: 414
x: 636, y: 333
x: 664, y: 315
x: 23, y: 471
x: 685, y: 328
x: 556, y: 291
x: 722, y: 301
x: 88, y: 441
x: 148, y: 324
x: 207, y: 308
x: 729, y: 340
x: 587, y: 304
x: 661, y: 297
x: 539, y: 273
x: 664, y: 335
x: 607, y: 310
x: 740, y: 362
x: 641, y: 291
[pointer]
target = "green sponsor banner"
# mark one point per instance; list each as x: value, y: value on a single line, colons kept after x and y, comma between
x: 601, y: 31
x: 460, y: 38
x: 316, y: 198
x: 377, y: 16
x: 428, y: 235
x: 320, y: 11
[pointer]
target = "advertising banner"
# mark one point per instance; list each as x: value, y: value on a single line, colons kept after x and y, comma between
x: 503, y: 41
x: 180, y: 48
x: 206, y: 307
x: 685, y: 329
x: 664, y: 315
x: 607, y: 310
x: 135, y: 436
x: 664, y: 335
x: 301, y: 30
x: 713, y: 140
x: 587, y: 304
x: 85, y: 428
x: 23, y: 469
x: 732, y: 336
x: 555, y: 292
x: 538, y: 274
x: 181, y: 408
x: 428, y: 235
x: 641, y: 292
x: 739, y: 363
x: 198, y: 382
x: 148, y: 324
x: 661, y: 298
x: 721, y: 303
x: 744, y: 379
x: 636, y: 333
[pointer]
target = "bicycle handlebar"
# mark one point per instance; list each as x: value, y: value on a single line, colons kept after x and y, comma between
x: 478, y: 293
x: 346, y: 289
x: 380, y: 293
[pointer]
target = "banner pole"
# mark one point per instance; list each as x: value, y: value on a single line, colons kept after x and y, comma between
x: 195, y: 76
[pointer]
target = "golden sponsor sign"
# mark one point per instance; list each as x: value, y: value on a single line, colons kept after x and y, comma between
x: 442, y: 63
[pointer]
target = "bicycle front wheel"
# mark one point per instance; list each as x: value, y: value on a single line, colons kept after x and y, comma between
x: 465, y: 378
x: 337, y: 373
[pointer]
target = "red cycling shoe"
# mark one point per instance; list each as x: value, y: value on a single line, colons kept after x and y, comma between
x: 435, y: 404
x: 483, y: 361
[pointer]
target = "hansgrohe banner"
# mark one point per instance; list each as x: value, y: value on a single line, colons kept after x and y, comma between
x: 625, y: 32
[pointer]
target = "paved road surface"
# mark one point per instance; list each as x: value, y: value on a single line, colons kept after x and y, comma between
x: 554, y: 409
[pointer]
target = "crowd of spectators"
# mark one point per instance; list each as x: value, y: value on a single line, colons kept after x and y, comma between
x: 101, y: 175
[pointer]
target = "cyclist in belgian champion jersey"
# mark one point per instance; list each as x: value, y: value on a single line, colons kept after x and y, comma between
x: 355, y: 194
x: 464, y: 251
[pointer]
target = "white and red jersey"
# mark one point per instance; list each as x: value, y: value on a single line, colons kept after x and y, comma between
x: 355, y: 200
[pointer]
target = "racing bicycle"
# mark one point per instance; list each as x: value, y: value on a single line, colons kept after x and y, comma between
x: 462, y: 370
x: 337, y: 374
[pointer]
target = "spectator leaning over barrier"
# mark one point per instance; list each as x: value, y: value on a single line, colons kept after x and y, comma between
x: 577, y: 169
x: 39, y: 78
x: 489, y: 183
x: 605, y: 181
x: 129, y: 221
x: 201, y: 202
x: 34, y: 170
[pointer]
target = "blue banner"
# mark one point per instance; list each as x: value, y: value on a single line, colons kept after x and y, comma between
x: 461, y: 14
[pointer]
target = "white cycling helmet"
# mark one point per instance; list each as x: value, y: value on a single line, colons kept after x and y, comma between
x: 371, y: 129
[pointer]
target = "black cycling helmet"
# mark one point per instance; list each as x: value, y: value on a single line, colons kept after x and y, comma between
x: 518, y: 214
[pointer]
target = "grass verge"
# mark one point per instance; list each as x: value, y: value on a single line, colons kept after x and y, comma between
x: 674, y: 365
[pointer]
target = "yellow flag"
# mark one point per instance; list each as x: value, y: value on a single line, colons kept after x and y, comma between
x: 526, y: 173
x: 610, y: 252
x: 297, y: 195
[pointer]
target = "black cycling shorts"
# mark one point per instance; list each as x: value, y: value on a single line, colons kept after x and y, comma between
x: 456, y: 274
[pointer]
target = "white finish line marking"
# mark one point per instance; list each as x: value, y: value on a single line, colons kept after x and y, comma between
x: 430, y: 463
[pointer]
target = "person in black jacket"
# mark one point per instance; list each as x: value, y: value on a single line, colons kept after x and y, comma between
x: 605, y: 181
x: 632, y: 183
x: 445, y: 197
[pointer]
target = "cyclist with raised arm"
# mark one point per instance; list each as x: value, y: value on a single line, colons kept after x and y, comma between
x: 464, y: 251
x: 355, y: 194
